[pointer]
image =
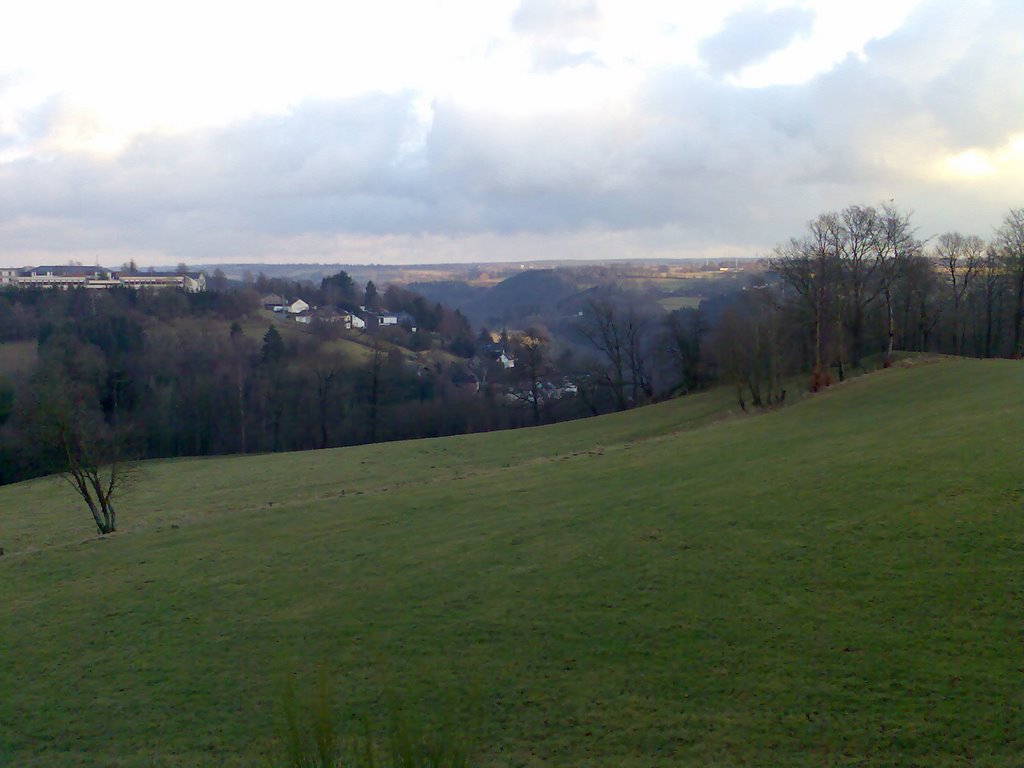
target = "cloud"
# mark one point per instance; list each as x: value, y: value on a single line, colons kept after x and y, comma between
x: 559, y: 32
x: 555, y: 18
x: 686, y: 163
x: 750, y: 36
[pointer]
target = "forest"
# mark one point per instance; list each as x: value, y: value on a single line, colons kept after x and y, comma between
x: 122, y: 375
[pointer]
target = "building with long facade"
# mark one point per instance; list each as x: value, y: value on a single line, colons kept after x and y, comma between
x: 99, y: 278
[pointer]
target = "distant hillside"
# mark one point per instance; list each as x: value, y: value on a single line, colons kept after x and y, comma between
x: 509, y: 303
x: 834, y: 583
x: 454, y: 293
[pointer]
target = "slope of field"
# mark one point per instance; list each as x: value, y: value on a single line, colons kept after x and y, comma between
x: 835, y: 583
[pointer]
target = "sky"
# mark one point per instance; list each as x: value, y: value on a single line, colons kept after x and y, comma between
x: 426, y: 131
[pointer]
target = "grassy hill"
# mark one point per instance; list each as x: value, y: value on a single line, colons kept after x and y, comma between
x: 835, y: 583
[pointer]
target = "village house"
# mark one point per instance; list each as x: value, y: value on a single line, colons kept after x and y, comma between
x: 375, y: 318
x: 272, y: 301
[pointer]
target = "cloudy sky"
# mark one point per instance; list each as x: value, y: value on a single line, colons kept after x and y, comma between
x: 462, y: 130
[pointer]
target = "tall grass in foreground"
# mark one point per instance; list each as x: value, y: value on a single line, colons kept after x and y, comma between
x: 314, y: 738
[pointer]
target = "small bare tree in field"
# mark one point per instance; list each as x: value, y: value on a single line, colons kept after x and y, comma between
x: 94, y: 466
x: 84, y: 447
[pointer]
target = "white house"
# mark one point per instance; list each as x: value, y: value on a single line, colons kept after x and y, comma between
x: 355, y: 321
x: 506, y: 361
x: 297, y: 307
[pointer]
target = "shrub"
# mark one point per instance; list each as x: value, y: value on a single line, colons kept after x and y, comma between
x: 820, y: 379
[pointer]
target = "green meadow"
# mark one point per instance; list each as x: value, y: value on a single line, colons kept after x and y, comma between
x: 836, y: 583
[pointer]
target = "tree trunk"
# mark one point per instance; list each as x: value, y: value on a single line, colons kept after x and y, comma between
x: 988, y: 320
x: 96, y: 516
x: 1018, y: 316
x: 241, y: 413
x: 890, y: 330
x: 109, y: 516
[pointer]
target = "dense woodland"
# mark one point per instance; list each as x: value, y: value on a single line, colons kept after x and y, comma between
x: 122, y: 375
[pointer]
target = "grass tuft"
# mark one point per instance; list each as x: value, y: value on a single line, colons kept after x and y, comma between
x: 313, y: 738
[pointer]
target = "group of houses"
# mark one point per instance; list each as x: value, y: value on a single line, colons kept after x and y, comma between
x: 467, y: 381
x: 300, y: 311
x: 495, y: 350
x: 98, y: 278
x: 546, y: 390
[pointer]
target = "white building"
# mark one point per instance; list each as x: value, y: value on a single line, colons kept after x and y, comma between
x: 189, y: 282
x: 75, y: 276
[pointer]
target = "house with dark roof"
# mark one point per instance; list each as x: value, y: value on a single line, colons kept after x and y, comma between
x: 272, y: 301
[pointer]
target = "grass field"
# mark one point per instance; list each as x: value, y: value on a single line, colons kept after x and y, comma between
x: 838, y: 583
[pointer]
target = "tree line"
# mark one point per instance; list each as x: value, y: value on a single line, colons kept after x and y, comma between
x: 123, y: 375
x: 858, y: 285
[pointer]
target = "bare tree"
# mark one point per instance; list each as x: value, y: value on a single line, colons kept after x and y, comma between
x: 621, y: 335
x: 990, y: 277
x: 860, y: 262
x: 960, y: 257
x: 846, y: 262
x: 531, y: 366
x: 241, y: 356
x: 638, y: 334
x: 748, y: 344
x: 328, y: 374
x: 600, y: 326
x: 808, y: 267
x: 895, y: 245
x: 682, y: 339
x: 376, y: 374
x: 1010, y: 238
x: 918, y: 302
x: 86, y: 449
